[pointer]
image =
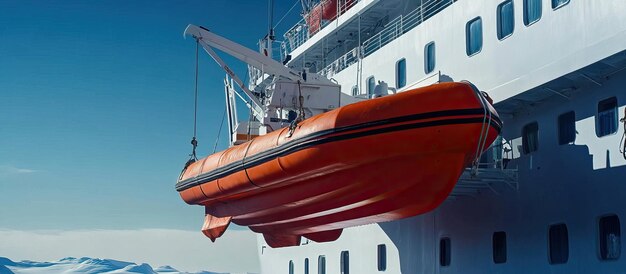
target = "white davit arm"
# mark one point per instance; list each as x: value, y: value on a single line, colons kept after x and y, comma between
x: 246, y: 55
x: 255, y: 105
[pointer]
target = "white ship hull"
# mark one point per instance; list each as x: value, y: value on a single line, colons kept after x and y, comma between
x: 572, y: 59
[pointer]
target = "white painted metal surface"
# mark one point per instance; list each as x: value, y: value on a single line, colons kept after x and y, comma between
x: 570, y: 60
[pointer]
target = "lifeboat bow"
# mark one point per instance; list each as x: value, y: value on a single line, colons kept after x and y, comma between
x: 373, y: 161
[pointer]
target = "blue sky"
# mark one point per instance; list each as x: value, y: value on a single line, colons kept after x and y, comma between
x: 96, y: 108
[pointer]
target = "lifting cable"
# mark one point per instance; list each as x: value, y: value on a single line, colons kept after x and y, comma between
x: 287, y: 13
x: 219, y: 132
x: 622, y: 143
x: 194, y: 142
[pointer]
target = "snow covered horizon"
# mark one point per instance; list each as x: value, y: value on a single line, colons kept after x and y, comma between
x: 86, y: 265
x: 187, y: 251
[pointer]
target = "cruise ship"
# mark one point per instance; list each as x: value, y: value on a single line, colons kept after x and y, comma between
x: 548, y: 196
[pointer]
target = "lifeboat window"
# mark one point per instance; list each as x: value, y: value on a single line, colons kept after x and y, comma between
x: 345, y: 262
x: 474, y: 36
x: 499, y: 247
x: 382, y: 257
x: 610, y: 237
x: 444, y: 251
x: 401, y: 73
x: 567, y: 128
x: 506, y: 19
x: 558, y: 244
x: 306, y: 266
x: 429, y: 57
x: 530, y: 138
x: 559, y: 3
x: 355, y: 90
x: 532, y: 11
x: 291, y: 267
x: 321, y: 265
x: 371, y: 85
x: 606, y: 120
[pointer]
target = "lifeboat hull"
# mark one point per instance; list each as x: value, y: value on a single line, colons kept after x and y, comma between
x: 379, y: 160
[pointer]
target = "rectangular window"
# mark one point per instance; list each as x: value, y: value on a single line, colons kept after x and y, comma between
x: 429, y: 57
x: 321, y: 265
x: 306, y: 266
x: 474, y: 36
x: 291, y: 267
x: 401, y: 73
x: 444, y: 251
x: 532, y: 11
x: 506, y: 19
x: 382, y: 257
x: 499, y: 247
x: 530, y: 138
x: 606, y: 120
x: 610, y: 237
x: 558, y: 244
x: 345, y: 262
x: 355, y: 90
x: 559, y: 3
x: 371, y: 85
x: 567, y: 128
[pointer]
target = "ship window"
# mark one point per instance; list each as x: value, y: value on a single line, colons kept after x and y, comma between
x: 382, y: 257
x: 606, y: 120
x: 321, y: 265
x: 499, y: 247
x: 610, y: 237
x: 530, y: 138
x: 371, y: 85
x: 532, y: 11
x: 401, y: 73
x: 290, y: 267
x: 506, y: 19
x: 558, y: 244
x: 355, y: 90
x: 567, y: 128
x: 306, y: 266
x: 444, y: 251
x: 429, y: 60
x: 345, y: 262
x: 474, y: 33
x: 559, y: 3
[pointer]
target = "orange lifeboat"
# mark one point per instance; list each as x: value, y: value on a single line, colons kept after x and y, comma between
x: 373, y: 161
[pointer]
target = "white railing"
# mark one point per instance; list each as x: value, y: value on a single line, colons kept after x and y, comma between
x: 402, y: 24
x: 394, y: 29
x: 341, y: 63
x: 300, y: 33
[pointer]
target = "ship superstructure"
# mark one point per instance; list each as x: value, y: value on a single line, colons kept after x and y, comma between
x: 548, y: 197
x: 555, y: 69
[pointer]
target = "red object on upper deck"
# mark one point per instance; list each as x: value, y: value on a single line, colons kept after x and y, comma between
x: 326, y: 10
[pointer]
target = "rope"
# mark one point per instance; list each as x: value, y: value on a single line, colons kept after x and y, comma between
x: 287, y: 13
x: 622, y: 143
x: 219, y: 132
x: 484, y: 132
x: 194, y: 142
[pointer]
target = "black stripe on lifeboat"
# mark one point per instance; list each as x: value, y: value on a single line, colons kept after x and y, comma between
x: 341, y: 134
